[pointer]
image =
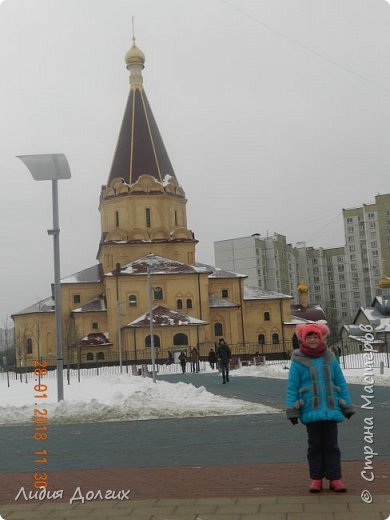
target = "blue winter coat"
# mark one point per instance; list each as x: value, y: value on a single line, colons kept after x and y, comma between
x: 316, y: 389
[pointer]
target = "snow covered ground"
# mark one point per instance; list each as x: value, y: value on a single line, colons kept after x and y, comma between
x: 111, y: 396
x: 352, y: 375
x: 107, y: 395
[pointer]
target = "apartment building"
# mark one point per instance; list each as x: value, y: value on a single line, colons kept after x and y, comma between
x: 340, y: 279
x: 265, y: 260
x: 367, y: 250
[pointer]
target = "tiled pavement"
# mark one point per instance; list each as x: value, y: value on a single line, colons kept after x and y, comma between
x: 335, y: 507
x: 240, y: 492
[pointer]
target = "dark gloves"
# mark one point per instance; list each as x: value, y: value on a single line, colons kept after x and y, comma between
x: 294, y: 420
x: 348, y: 415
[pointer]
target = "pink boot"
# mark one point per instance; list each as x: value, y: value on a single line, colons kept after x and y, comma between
x: 338, y: 486
x: 315, y: 486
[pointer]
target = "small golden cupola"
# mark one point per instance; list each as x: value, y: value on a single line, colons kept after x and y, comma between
x: 135, y: 62
x: 384, y: 284
x: 303, y: 291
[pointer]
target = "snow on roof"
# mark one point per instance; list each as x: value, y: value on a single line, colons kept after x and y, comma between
x: 157, y: 265
x: 46, y: 305
x: 380, y: 322
x: 256, y: 293
x: 296, y: 321
x: 216, y: 272
x: 89, y: 275
x: 163, y: 317
x: 215, y: 301
x: 94, y: 305
x: 359, y: 339
x: 95, y: 339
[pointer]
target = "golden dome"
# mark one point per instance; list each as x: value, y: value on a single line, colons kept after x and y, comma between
x: 134, y: 56
x: 384, y: 282
x: 302, y: 287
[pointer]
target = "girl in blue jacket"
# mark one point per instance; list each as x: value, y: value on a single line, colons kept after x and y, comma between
x: 317, y: 394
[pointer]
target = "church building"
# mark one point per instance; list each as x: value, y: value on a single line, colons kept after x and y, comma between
x: 145, y: 237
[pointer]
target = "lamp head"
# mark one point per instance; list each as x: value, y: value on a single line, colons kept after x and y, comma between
x: 47, y: 167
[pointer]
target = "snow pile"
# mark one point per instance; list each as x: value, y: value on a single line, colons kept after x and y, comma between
x: 116, y: 398
x: 352, y: 375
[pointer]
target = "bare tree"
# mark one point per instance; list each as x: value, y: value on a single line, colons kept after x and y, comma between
x: 70, y: 337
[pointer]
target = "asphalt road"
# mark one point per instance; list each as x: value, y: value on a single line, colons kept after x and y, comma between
x: 251, y: 439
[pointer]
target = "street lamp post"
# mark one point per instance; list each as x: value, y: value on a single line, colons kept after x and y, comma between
x: 45, y: 167
x: 152, y: 352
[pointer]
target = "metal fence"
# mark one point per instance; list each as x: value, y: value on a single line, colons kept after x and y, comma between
x: 96, y: 357
x: 351, y: 354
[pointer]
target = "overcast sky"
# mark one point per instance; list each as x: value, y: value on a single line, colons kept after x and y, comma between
x: 275, y: 115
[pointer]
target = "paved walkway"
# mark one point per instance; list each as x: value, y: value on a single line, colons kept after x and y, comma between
x: 239, y: 492
x: 321, y: 507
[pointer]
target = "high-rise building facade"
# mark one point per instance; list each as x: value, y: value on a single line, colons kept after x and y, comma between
x: 340, y: 279
x: 367, y: 250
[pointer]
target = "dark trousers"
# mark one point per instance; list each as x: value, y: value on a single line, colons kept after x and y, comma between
x: 225, y: 370
x: 323, y: 453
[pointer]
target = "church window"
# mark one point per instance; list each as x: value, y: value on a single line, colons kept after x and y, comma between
x: 225, y: 293
x: 147, y: 215
x: 89, y: 356
x: 156, y: 341
x: 275, y: 338
x: 180, y: 339
x: 100, y: 355
x: 29, y: 346
x: 179, y: 304
x: 117, y: 218
x: 158, y: 293
x: 261, y: 339
x: 132, y: 300
x: 95, y: 325
x: 76, y: 298
x: 267, y: 316
x: 175, y: 218
x: 189, y: 303
x: 218, y: 329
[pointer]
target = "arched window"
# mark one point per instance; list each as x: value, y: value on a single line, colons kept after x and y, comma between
x: 100, y: 355
x: 275, y: 338
x: 156, y: 341
x: 180, y: 339
x: 29, y: 346
x: 158, y: 293
x: 266, y: 316
x: 218, y: 329
x: 132, y: 300
x: 261, y: 339
x: 179, y: 304
x: 189, y: 303
x: 89, y: 356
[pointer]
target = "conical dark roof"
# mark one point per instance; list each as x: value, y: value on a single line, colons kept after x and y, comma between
x: 140, y: 149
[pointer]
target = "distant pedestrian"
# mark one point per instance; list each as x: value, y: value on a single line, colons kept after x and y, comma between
x: 336, y: 351
x: 195, y: 360
x: 212, y: 358
x: 318, y: 395
x: 183, y: 361
x: 224, y: 355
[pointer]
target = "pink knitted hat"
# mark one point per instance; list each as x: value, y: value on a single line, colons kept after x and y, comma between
x: 303, y: 329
